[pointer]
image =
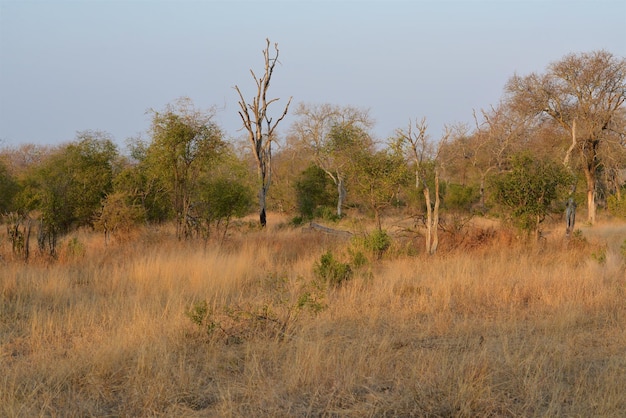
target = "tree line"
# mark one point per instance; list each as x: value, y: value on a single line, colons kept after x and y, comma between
x: 555, y: 137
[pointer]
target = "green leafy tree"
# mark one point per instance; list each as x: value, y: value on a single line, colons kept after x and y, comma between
x: 8, y: 189
x: 313, y: 190
x: 67, y: 187
x: 91, y: 162
x: 224, y: 193
x: 529, y: 191
x: 185, y: 143
x: 584, y: 95
x: 222, y: 199
x: 332, y: 135
x: 376, y: 178
x: 140, y: 186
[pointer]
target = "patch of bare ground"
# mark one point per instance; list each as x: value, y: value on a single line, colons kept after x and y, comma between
x: 155, y: 327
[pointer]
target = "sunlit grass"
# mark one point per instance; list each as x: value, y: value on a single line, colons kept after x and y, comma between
x: 498, y: 329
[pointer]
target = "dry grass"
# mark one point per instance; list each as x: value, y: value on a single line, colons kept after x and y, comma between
x: 492, y: 328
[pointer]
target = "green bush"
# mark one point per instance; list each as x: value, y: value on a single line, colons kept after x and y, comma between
x: 314, y: 191
x: 527, y: 193
x: 332, y: 271
x: 376, y: 242
x: 327, y: 213
x: 460, y: 197
x: 617, y: 207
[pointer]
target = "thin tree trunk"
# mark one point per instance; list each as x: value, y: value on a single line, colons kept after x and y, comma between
x: 262, y: 205
x: 435, y: 241
x: 341, y: 194
x: 27, y: 239
x: 429, y: 218
x: 591, y: 196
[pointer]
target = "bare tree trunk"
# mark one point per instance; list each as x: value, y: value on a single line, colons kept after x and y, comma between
x: 570, y: 216
x: 537, y: 230
x: 254, y: 116
x: 591, y: 196
x: 432, y: 218
x: 429, y: 220
x: 341, y: 194
x: 27, y: 239
x: 570, y: 207
x: 435, y: 233
x: 262, y: 206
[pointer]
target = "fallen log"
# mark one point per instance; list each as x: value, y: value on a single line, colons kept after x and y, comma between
x: 328, y: 230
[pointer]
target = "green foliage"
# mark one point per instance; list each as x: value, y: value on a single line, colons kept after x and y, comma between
x: 220, y: 199
x: 617, y: 206
x: 185, y: 145
x: 67, y: 187
x: 272, y: 316
x: 622, y: 248
x: 140, y: 189
x: 458, y: 197
x: 314, y: 189
x: 326, y: 213
x: 376, y: 242
x: 227, y: 198
x: 119, y: 214
x: 8, y: 189
x: 331, y: 271
x: 357, y: 258
x: 200, y: 314
x: 599, y: 255
x: 527, y: 192
x: 376, y: 178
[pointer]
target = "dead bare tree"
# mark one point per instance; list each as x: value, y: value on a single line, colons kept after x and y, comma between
x: 260, y: 126
x: 424, y: 153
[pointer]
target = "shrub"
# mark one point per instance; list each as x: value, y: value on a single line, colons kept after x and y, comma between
x: 617, y: 207
x: 327, y: 213
x: 528, y: 191
x: 459, y: 197
x: 314, y: 190
x: 376, y: 242
x: 332, y: 271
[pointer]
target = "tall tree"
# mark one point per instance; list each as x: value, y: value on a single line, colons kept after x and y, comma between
x: 68, y: 186
x: 260, y: 126
x: 583, y: 93
x: 185, y: 142
x: 332, y: 135
x: 376, y: 178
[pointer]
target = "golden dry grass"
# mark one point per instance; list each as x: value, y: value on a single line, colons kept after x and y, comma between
x: 492, y: 328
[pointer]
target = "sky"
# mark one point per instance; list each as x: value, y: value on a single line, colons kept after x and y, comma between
x: 70, y: 66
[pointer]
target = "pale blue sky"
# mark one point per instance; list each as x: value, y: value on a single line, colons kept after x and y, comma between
x: 67, y: 66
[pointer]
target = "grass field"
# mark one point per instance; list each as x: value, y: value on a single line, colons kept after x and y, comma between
x: 156, y: 327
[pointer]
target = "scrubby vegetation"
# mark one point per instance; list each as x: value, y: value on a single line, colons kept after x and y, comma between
x: 270, y: 323
x: 140, y: 284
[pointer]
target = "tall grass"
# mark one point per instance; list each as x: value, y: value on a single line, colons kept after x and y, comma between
x: 498, y: 330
